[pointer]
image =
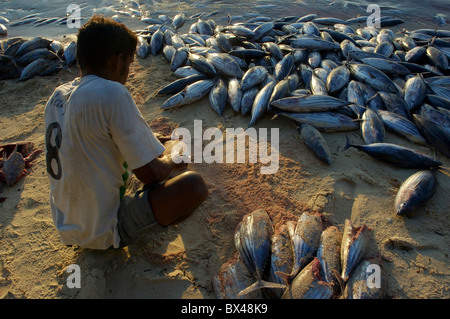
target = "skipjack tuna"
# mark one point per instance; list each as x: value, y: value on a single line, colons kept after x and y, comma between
x: 305, y: 259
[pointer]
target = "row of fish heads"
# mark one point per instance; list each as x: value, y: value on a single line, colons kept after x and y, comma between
x: 290, y: 79
x: 23, y: 58
x: 307, y: 259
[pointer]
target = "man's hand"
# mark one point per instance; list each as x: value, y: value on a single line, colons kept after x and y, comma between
x: 161, y: 167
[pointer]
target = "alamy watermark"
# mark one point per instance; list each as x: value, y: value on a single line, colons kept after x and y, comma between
x: 374, y: 20
x: 221, y: 148
x: 73, y: 16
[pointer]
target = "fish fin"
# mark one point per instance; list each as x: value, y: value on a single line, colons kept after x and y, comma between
x: 258, y: 285
x: 287, y: 278
x: 348, y: 143
x: 339, y: 279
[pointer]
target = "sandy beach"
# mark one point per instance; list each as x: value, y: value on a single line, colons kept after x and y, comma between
x: 181, y: 261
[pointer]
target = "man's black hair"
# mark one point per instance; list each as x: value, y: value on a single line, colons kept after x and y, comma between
x: 101, y: 38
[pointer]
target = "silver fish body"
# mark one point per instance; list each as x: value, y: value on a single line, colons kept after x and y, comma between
x: 314, y: 140
x: 252, y: 239
x: 308, y: 284
x: 200, y: 63
x: 253, y: 76
x: 338, y: 78
x: 395, y: 104
x: 397, y: 155
x: 309, y: 103
x: 366, y: 282
x: 435, y: 134
x: 191, y: 93
x: 414, y: 191
x: 178, y: 85
x: 414, y: 92
x: 225, y: 64
x: 34, y: 68
x: 313, y: 43
x: 387, y: 66
x: 402, y: 126
x: 284, y: 67
x: 31, y: 56
x: 329, y: 255
x: 372, y: 127
x: 318, y: 87
x: 281, y: 258
x: 261, y: 102
x: 70, y: 53
x: 373, y: 77
x: 248, y: 97
x: 178, y: 20
x: 232, y: 278
x: 324, y: 121
x: 142, y: 48
x: 305, y: 236
x: 235, y: 94
x: 32, y: 44
x: 355, y: 242
x: 218, y: 96
x: 437, y: 57
x: 179, y: 58
x: 281, y: 90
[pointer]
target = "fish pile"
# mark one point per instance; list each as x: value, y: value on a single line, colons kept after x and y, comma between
x: 333, y: 79
x: 308, y: 259
x: 23, y: 59
x: 15, y: 159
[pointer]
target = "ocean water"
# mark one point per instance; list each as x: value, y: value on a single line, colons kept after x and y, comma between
x: 415, y: 13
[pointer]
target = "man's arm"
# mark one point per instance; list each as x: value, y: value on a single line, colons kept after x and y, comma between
x: 159, y: 168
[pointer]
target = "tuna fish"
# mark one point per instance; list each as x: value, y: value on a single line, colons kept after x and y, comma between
x: 329, y: 256
x: 403, y: 127
x: 218, y: 96
x: 373, y: 77
x: 202, y: 64
x: 261, y: 102
x: 305, y: 236
x: 397, y: 155
x: 338, y: 78
x: 193, y: 92
x: 253, y: 77
x: 314, y: 140
x: 178, y: 85
x: 324, y: 121
x: 355, y: 242
x: 234, y: 277
x: 281, y: 258
x: 248, y: 97
x: 414, y: 92
x: 309, y: 103
x: 70, y: 53
x: 308, y: 284
x: 364, y: 283
x: 235, y: 94
x: 253, y: 243
x: 416, y: 190
x: 372, y: 127
x: 225, y: 64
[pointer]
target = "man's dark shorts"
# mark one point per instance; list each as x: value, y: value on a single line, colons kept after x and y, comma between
x: 135, y: 217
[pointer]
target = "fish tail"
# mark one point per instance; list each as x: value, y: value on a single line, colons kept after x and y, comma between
x: 260, y: 284
x: 348, y: 143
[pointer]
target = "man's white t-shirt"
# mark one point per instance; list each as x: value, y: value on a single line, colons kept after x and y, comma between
x: 95, y: 135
